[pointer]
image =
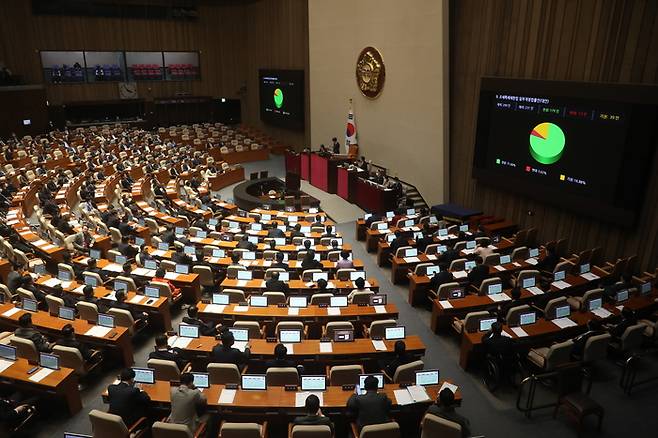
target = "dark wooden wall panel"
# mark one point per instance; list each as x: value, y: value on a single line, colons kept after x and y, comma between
x: 235, y: 40
x: 582, y: 40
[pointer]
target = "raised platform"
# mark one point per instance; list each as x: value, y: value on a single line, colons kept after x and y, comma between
x: 254, y: 193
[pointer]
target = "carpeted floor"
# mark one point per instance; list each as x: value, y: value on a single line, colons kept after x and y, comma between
x: 494, y: 416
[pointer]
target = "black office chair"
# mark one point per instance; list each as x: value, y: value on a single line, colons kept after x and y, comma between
x: 253, y: 175
x: 264, y: 174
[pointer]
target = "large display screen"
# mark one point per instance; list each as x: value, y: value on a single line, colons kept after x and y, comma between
x: 282, y: 98
x: 587, y: 147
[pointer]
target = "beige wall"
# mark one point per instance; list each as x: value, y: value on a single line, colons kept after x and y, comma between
x: 405, y: 129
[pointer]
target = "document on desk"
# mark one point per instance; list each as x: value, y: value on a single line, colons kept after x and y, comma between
x: 11, y: 311
x: 532, y: 261
x: 333, y: 311
x: 459, y: 274
x: 111, y: 296
x: 79, y: 289
x: 560, y: 284
x: 379, y: 345
x: 326, y: 347
x: 589, y: 276
x: 98, y: 331
x: 181, y: 342
x: 431, y: 256
x: 113, y: 267
x: 290, y: 348
x: 214, y: 308
x: 331, y: 285
x: 293, y: 311
x: 241, y: 308
x: 564, y: 322
x: 158, y: 253
x: 136, y: 299
x: 51, y: 282
x: 445, y: 304
x: 241, y: 283
x: 601, y: 312
x: 39, y: 242
x: 418, y: 393
x: 171, y: 276
x: 499, y: 297
x: 240, y: 345
x: 519, y: 332
x: 499, y: 268
x: 41, y: 374
x: 468, y: 251
x: 411, y: 259
x: 4, y: 364
x: 48, y: 247
x: 227, y: 396
x: 142, y: 272
x: 450, y: 386
x: 380, y: 309
x: 535, y: 290
x: 300, y: 398
x: 402, y: 397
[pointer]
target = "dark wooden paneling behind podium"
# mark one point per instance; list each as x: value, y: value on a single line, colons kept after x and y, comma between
x: 21, y: 103
x: 587, y: 40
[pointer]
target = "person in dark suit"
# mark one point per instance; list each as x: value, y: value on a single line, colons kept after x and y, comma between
x: 25, y: 330
x: 309, y: 262
x: 279, y: 261
x: 442, y: 277
x: 318, y: 221
x: 374, y: 218
x: 296, y: 231
x: 628, y: 319
x: 314, y: 416
x: 280, y: 358
x: 335, y: 145
x: 69, y: 299
x: 449, y: 255
x: 164, y: 352
x: 120, y: 303
x: 496, y: 344
x: 398, y: 242
x: 181, y: 258
x: 371, y: 407
x: 206, y: 328
x: 507, y: 305
x: 68, y: 339
x: 401, y: 358
x: 445, y: 408
x: 244, y: 243
x: 276, y: 285
x: 89, y: 297
x: 427, y: 239
x: 225, y: 353
x: 478, y: 273
x: 127, y: 401
x: 328, y: 232
x: 15, y: 278
x: 549, y: 262
x: 92, y: 267
x: 275, y: 232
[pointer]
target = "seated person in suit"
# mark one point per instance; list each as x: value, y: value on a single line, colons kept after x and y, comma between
x: 550, y: 260
x: 427, y: 239
x: 594, y: 328
x: 344, y: 262
x: 160, y: 278
x: 498, y: 345
x: 398, y: 242
x: 126, y: 248
x: 479, y: 273
x: 126, y: 400
x: 244, y: 243
x: 374, y: 218
x: 206, y: 328
x: 449, y: 255
x: 371, y: 407
x: 13, y: 413
x: 322, y: 287
x: 181, y: 258
x: 515, y: 301
x: 164, y: 352
x: 483, y: 250
x: 314, y: 416
x: 186, y: 402
x: 120, y: 303
x: 225, y: 353
x: 92, y: 267
x: 276, y: 285
x: 329, y: 232
x: 69, y: 299
x: 275, y: 232
x: 89, y: 297
x: 318, y: 221
x: 83, y: 240
x: 279, y: 263
x: 360, y: 284
x: 296, y: 231
x: 401, y: 358
x: 280, y: 358
x: 309, y: 261
x: 68, y: 339
x: 445, y: 408
x: 442, y: 277
x: 25, y: 330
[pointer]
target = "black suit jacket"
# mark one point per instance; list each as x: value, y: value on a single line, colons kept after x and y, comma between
x: 276, y: 286
x: 477, y: 274
x: 439, y: 279
x: 422, y: 243
x: 127, y: 402
x: 450, y: 415
x: 370, y: 408
x: 207, y: 329
x: 181, y: 258
x: 170, y: 354
x: 220, y: 354
x: 314, y: 420
x: 275, y: 232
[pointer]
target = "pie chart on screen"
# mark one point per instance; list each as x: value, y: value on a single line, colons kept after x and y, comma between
x: 278, y: 98
x: 547, y: 143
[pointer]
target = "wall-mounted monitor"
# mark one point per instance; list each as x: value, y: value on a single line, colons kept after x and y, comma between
x: 105, y: 66
x: 282, y: 97
x: 63, y: 67
x: 145, y: 66
x: 582, y: 146
x: 182, y: 66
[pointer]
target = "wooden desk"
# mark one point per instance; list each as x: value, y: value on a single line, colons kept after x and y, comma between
x: 296, y: 286
x: 5, y: 268
x: 63, y: 383
x: 225, y: 179
x: 241, y: 157
x: 374, y: 198
x: 259, y: 266
x: 120, y: 344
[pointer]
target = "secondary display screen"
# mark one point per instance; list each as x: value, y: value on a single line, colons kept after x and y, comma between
x: 282, y: 98
x: 584, y: 146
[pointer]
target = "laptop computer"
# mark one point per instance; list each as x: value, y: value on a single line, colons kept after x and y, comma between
x: 144, y: 375
x: 90, y: 280
x: 505, y: 259
x: 253, y: 382
x: 314, y: 383
x: 529, y: 282
x: 354, y: 275
x: 559, y: 275
x: 188, y: 331
x: 594, y: 304
x: 95, y: 254
x: 427, y: 377
x: 394, y: 333
x: 320, y: 275
x: 29, y: 305
x: 290, y: 336
x: 151, y: 264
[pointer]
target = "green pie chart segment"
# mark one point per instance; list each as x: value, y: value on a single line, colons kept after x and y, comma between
x: 547, y: 143
x: 278, y: 98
